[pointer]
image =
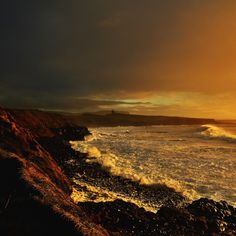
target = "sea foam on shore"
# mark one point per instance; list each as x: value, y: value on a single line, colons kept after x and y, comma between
x: 179, y: 157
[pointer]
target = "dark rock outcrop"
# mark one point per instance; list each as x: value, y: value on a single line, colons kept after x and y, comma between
x: 45, y: 124
x: 202, y: 217
x: 35, y: 193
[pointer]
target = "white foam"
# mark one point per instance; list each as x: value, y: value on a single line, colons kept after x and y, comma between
x: 91, y: 137
x: 201, y: 165
x: 104, y: 195
x: 82, y: 146
x: 110, y: 162
x: 212, y: 131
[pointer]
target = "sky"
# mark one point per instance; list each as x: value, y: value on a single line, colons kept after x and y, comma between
x: 153, y: 57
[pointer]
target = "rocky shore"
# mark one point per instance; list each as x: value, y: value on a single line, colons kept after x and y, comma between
x: 37, y: 166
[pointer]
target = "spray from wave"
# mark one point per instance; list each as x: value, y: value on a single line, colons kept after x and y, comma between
x: 215, y: 132
x: 111, y: 163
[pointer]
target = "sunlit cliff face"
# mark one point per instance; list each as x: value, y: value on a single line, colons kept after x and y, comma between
x: 147, y: 57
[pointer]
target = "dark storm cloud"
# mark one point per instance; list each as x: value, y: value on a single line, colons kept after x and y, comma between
x: 86, y: 41
x: 55, y: 50
x: 61, y: 103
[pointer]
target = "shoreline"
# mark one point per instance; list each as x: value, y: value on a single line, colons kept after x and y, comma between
x: 113, y: 147
x: 49, y: 153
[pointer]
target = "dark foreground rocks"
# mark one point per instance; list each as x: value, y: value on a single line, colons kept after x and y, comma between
x: 202, y: 217
x: 35, y: 189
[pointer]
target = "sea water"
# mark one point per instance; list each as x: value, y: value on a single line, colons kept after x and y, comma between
x: 195, y: 160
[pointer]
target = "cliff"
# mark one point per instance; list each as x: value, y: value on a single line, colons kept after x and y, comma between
x: 35, y: 193
x: 48, y: 124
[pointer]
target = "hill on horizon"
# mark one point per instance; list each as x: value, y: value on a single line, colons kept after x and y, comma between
x: 113, y: 118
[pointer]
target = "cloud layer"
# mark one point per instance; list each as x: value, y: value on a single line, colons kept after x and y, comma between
x: 56, y: 53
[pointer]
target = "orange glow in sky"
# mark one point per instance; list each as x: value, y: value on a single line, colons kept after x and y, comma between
x: 148, y: 57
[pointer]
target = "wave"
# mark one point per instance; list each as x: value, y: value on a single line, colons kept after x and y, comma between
x: 110, y: 162
x: 215, y: 132
x: 92, y: 136
x: 105, y: 195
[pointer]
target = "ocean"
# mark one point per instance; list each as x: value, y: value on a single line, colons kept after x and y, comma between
x: 196, y: 160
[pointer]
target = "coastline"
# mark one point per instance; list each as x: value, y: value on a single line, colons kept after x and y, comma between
x: 46, y: 148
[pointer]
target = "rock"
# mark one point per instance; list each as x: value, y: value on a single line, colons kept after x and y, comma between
x: 48, y: 124
x: 174, y: 221
x: 210, y: 209
x: 121, y: 218
x: 34, y: 191
x: 71, y: 133
x: 219, y: 216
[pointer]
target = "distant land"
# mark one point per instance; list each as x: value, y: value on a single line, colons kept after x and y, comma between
x: 113, y: 118
x: 226, y: 121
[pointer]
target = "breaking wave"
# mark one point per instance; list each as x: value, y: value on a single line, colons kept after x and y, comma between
x: 111, y: 163
x: 215, y: 132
